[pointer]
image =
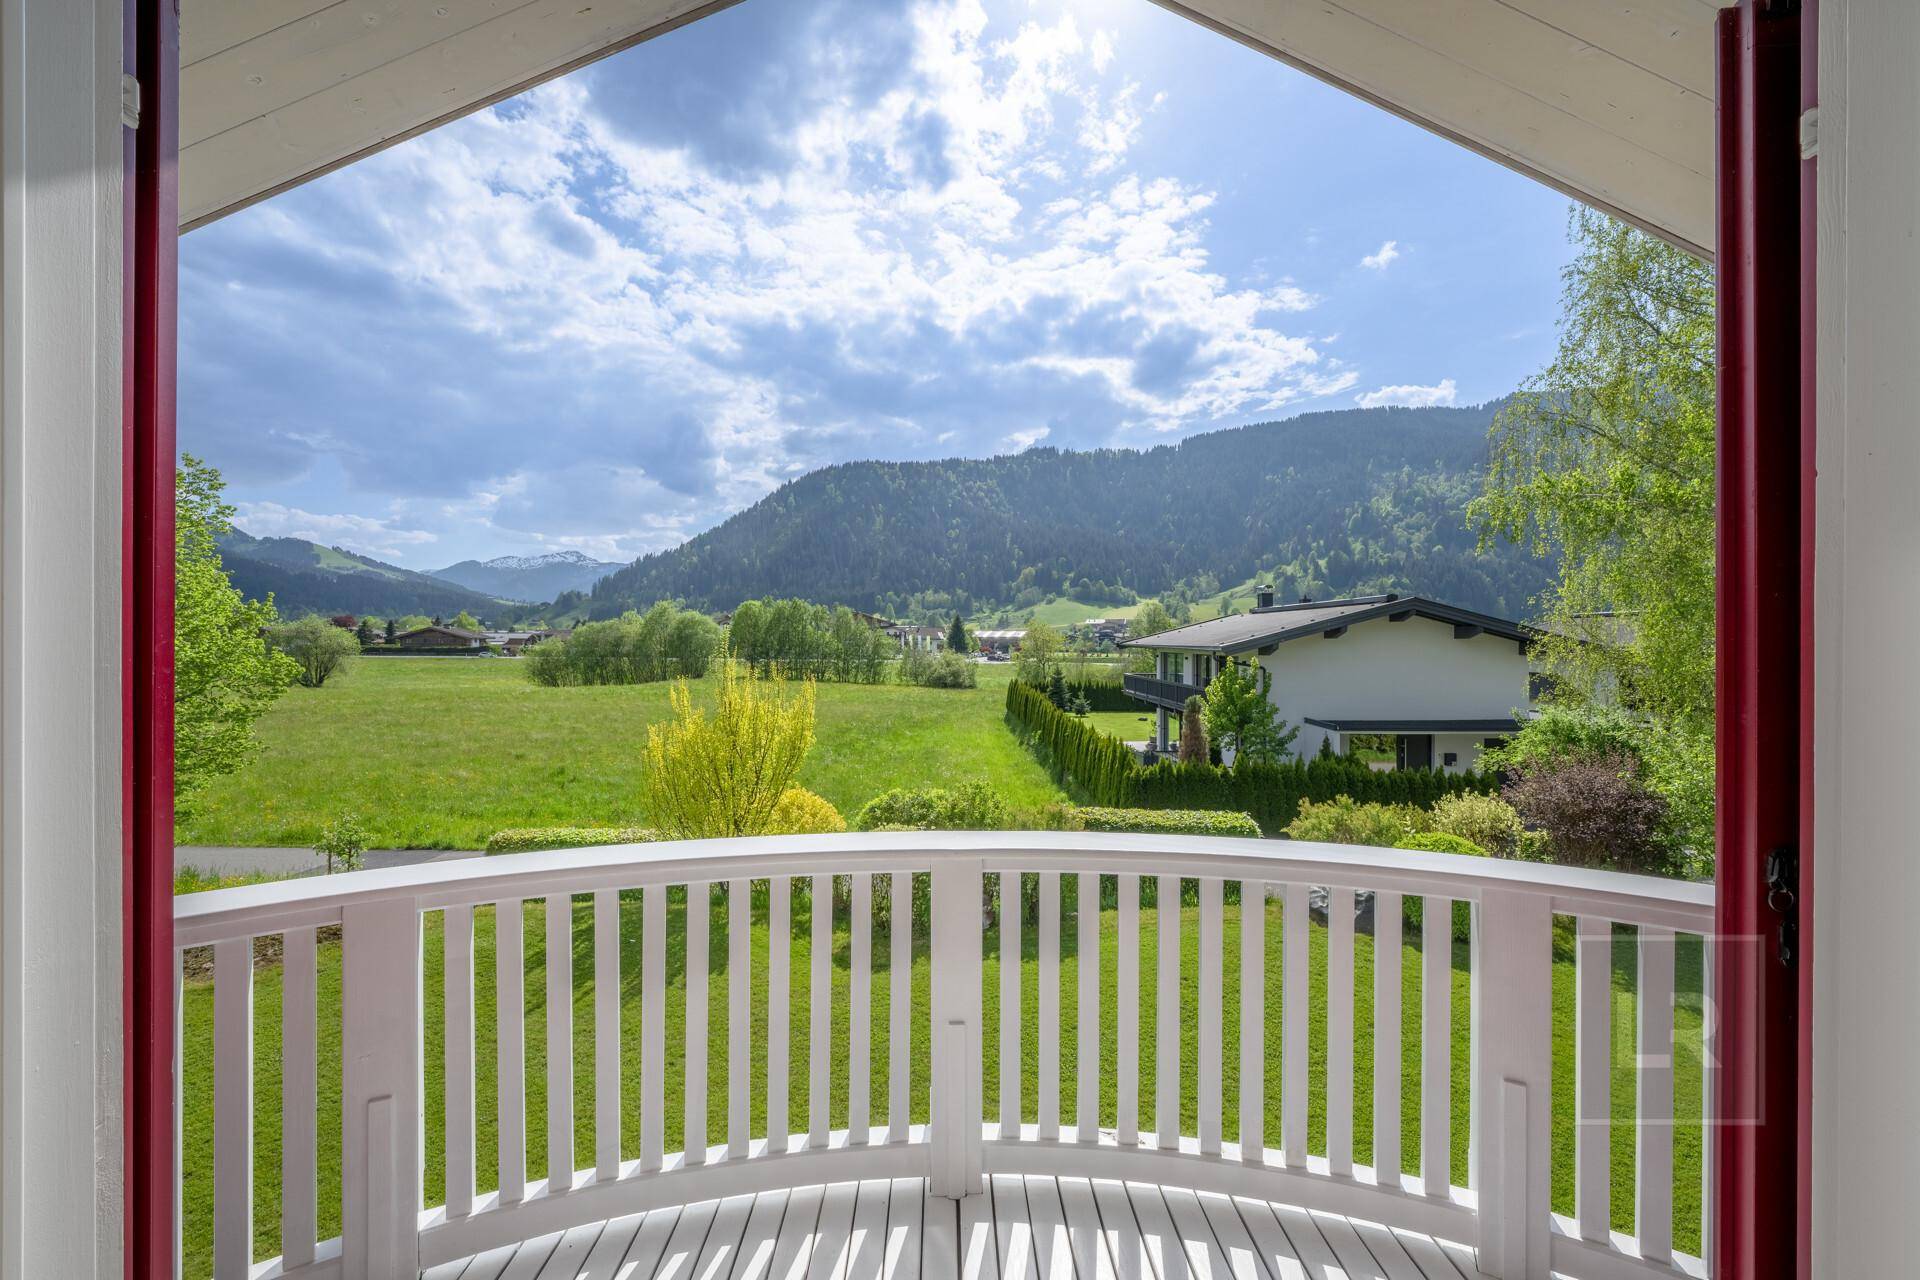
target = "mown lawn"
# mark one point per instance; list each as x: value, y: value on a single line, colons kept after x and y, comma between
x: 198, y: 1084
x: 439, y: 753
x: 1128, y: 726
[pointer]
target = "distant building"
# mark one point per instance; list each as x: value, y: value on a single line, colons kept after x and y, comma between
x: 440, y: 638
x: 910, y: 636
x: 1000, y: 641
x: 1443, y: 683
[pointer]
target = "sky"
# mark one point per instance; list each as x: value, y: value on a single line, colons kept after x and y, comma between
x: 609, y: 313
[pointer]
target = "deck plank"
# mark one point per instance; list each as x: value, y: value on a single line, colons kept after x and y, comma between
x: 1386, y: 1250
x: 722, y: 1245
x: 531, y: 1257
x: 1288, y: 1258
x: 611, y: 1248
x: 754, y: 1258
x: 448, y: 1270
x: 489, y: 1265
x: 979, y: 1249
x: 1236, y: 1243
x: 688, y: 1239
x: 1345, y: 1243
x: 906, y: 1213
x: 834, y: 1233
x: 1121, y: 1229
x: 1204, y: 1254
x: 1428, y: 1256
x: 867, y: 1248
x: 1051, y: 1248
x: 1091, y: 1259
x: 571, y: 1253
x: 793, y: 1250
x: 940, y: 1239
x: 649, y: 1245
x: 1013, y: 1229
x: 1164, y: 1246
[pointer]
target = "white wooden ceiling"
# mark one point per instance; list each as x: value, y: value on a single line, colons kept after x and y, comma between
x: 1608, y: 100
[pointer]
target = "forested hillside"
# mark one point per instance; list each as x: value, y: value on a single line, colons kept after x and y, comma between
x: 305, y: 577
x: 1327, y: 503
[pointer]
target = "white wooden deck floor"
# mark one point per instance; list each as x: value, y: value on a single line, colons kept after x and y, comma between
x: 1023, y: 1228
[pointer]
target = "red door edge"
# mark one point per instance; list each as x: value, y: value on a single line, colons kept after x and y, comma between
x: 1809, y: 454
x: 147, y: 546
x: 1764, y: 524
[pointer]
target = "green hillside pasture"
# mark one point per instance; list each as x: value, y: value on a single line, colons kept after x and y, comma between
x: 198, y: 1058
x: 440, y: 753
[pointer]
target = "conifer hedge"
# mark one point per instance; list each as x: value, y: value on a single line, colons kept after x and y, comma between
x: 1105, y: 772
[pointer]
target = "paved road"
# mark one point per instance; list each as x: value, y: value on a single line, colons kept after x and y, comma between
x: 228, y: 860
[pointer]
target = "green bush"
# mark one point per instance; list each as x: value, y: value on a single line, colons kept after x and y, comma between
x: 1190, y: 822
x: 1441, y: 842
x: 1343, y: 820
x: 664, y: 642
x: 971, y: 806
x: 799, y: 811
x: 937, y: 670
x: 531, y: 839
x: 1485, y: 821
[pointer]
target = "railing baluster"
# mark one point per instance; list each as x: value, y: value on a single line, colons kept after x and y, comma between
x: 779, y: 976
x: 299, y: 1094
x: 1511, y: 1139
x: 1210, y: 1016
x: 1087, y: 1037
x: 1048, y: 1067
x: 694, y: 1115
x: 457, y: 953
x: 559, y: 1043
x: 509, y: 979
x: 954, y: 1162
x: 819, y: 1019
x: 739, y: 1013
x: 1166, y: 1030
x: 606, y: 1034
x: 1387, y: 957
x: 381, y: 1102
x: 900, y: 1006
x: 1653, y: 1109
x: 1436, y: 1046
x: 1126, y: 981
x: 1593, y: 1067
x: 1253, y: 1020
x: 653, y: 1027
x: 1010, y: 1029
x: 860, y: 1012
x: 1293, y: 1027
x: 233, y: 1108
x: 1340, y: 1032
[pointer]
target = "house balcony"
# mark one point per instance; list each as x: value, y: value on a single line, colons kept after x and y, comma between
x: 1170, y: 694
x: 427, y: 1109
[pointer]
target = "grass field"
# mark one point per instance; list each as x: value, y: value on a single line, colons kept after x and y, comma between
x: 198, y: 1022
x: 439, y: 753
x: 1128, y: 726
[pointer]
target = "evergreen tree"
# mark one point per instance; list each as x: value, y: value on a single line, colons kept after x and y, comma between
x: 365, y: 633
x: 957, y: 641
x: 393, y: 629
x: 1057, y: 689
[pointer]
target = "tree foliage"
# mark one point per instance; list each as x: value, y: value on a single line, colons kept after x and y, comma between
x: 1193, y: 731
x: 664, y: 642
x: 795, y: 638
x: 225, y: 674
x: 318, y: 648
x: 1241, y: 717
x: 1606, y: 462
x: 723, y: 773
x: 958, y: 641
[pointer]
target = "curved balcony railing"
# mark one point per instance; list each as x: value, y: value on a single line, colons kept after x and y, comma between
x: 1125, y: 1101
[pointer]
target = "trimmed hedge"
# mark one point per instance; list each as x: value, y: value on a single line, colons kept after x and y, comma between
x: 1184, y: 822
x: 1105, y: 772
x: 533, y: 839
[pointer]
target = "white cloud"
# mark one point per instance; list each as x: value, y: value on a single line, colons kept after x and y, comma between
x: 1021, y: 441
x: 1409, y: 395
x: 1381, y: 258
x: 367, y: 535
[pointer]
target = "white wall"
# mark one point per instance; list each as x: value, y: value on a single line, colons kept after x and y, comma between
x: 61, y: 157
x: 1412, y: 670
x: 1866, y: 878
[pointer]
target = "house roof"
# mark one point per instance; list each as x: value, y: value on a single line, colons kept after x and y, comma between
x: 1341, y: 725
x: 442, y: 631
x: 1610, y: 101
x: 1262, y: 628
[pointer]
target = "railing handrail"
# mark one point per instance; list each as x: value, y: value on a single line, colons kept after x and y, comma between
x: 201, y: 919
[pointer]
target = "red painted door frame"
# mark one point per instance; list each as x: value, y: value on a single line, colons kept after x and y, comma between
x: 1764, y: 796
x: 147, y: 547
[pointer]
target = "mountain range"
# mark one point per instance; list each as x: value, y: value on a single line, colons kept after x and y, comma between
x: 1326, y: 503
x: 530, y: 578
x: 305, y: 577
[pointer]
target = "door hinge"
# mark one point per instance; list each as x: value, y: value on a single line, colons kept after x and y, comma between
x: 129, y: 101
x: 1783, y: 899
x: 1810, y: 133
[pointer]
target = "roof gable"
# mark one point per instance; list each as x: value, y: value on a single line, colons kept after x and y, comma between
x: 1264, y: 628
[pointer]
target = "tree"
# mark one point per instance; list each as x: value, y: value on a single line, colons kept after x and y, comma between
x: 342, y: 841
x: 1606, y: 461
x: 1039, y: 649
x: 393, y: 629
x: 365, y: 633
x: 225, y: 676
x: 1151, y: 619
x: 1057, y: 689
x: 1241, y: 717
x: 464, y: 621
x: 1193, y: 732
x: 317, y: 647
x: 723, y: 774
x: 957, y: 639
x: 1595, y: 810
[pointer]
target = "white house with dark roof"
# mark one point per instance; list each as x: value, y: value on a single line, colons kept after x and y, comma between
x: 1442, y: 681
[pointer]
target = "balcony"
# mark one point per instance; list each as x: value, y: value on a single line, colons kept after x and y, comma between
x: 1170, y: 694
x: 1251, y: 1139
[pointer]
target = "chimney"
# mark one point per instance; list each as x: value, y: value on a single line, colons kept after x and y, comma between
x: 1264, y: 597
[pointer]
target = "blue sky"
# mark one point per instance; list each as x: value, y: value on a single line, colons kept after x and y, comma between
x: 609, y: 313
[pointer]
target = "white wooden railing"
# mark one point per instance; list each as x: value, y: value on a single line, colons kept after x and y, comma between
x: 1505, y: 1207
